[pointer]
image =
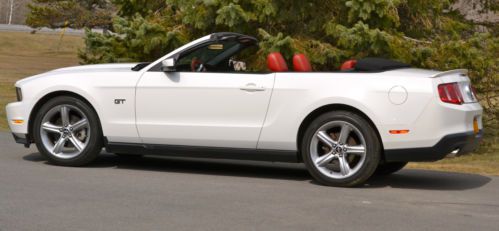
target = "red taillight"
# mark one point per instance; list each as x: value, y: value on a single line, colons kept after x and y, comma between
x: 450, y: 93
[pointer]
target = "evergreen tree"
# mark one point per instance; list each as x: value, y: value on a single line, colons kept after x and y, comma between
x: 70, y: 13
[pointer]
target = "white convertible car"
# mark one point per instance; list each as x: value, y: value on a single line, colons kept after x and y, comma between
x: 373, y: 115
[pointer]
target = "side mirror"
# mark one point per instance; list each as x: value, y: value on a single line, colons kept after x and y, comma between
x: 168, y: 65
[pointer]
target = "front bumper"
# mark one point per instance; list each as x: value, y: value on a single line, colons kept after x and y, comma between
x: 18, y: 111
x: 463, y: 143
x: 22, y: 139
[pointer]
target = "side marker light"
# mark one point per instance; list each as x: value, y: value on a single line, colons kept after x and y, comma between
x: 399, y: 132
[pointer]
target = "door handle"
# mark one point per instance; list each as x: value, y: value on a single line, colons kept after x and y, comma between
x: 251, y: 87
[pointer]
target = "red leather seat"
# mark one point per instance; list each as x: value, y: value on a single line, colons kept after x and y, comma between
x: 276, y: 62
x: 348, y: 65
x: 301, y: 63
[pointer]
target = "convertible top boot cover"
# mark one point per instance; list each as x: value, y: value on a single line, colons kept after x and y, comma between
x: 378, y: 64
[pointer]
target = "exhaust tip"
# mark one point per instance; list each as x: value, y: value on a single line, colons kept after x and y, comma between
x: 453, y: 153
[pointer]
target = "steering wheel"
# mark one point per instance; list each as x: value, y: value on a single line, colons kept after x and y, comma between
x: 197, y: 65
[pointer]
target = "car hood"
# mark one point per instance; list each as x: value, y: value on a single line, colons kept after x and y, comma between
x: 119, y: 67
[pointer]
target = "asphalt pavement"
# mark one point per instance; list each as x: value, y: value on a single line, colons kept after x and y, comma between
x: 156, y: 193
x: 43, y: 30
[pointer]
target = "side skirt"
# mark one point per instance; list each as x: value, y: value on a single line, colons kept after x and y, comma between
x: 203, y: 152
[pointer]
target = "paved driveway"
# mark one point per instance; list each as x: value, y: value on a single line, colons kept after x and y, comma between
x: 154, y: 193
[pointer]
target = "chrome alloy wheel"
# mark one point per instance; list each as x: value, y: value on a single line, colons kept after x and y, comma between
x: 65, y: 131
x: 338, y: 149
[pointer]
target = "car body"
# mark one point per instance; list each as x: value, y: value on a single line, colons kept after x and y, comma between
x: 255, y: 115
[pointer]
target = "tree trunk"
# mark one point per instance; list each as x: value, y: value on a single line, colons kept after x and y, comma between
x: 1, y: 9
x: 11, y: 11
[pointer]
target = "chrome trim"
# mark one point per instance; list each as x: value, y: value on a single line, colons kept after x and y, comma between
x: 338, y: 149
x: 65, y: 131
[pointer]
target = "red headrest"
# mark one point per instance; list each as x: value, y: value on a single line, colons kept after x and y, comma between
x: 348, y: 65
x: 301, y: 63
x: 276, y: 62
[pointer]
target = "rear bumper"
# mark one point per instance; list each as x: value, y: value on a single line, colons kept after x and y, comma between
x: 462, y: 142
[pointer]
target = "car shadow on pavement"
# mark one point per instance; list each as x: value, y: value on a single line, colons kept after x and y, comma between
x: 429, y: 180
x: 405, y: 179
x: 253, y: 169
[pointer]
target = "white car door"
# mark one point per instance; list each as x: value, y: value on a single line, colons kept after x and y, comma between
x: 202, y: 109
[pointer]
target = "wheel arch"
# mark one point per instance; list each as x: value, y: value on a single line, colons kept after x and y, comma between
x: 50, y: 96
x: 328, y: 108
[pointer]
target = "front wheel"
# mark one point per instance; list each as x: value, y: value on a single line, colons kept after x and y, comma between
x: 67, y: 132
x: 341, y: 148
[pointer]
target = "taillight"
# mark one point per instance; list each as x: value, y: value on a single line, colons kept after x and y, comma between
x: 450, y: 93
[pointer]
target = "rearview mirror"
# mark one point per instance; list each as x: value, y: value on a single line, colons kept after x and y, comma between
x: 216, y: 47
x: 168, y: 65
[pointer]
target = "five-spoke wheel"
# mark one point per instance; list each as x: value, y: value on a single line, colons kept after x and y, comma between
x: 66, y: 131
x: 340, y: 149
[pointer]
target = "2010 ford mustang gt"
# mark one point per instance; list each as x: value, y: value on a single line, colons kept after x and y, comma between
x: 201, y: 100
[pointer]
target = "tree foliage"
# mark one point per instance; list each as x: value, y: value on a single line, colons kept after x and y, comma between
x: 423, y: 33
x: 71, y: 13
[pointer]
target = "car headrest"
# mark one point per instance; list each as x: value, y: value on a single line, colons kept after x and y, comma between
x: 276, y: 62
x: 301, y: 63
x: 348, y: 65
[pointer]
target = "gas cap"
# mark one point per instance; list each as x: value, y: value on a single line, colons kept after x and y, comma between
x: 397, y: 95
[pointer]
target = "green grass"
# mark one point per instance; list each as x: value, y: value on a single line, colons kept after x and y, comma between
x: 485, y: 163
x: 25, y: 54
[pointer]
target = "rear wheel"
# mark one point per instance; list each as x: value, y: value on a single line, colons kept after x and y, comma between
x: 67, y: 132
x: 340, y: 149
x: 389, y: 168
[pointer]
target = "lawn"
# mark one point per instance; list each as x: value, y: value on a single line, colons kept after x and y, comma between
x: 24, y: 54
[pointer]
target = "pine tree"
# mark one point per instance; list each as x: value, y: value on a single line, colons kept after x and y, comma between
x: 70, y: 13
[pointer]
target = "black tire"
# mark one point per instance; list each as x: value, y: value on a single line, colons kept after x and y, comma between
x: 372, y: 149
x: 389, y: 168
x: 95, y: 141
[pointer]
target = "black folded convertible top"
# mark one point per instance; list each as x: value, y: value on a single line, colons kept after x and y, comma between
x: 378, y: 64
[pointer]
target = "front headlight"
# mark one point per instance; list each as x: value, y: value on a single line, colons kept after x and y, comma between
x: 19, y: 94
